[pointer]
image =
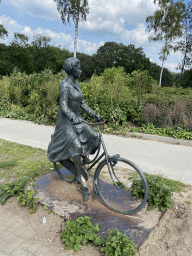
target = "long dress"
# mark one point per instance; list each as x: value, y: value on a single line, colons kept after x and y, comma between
x: 69, y: 140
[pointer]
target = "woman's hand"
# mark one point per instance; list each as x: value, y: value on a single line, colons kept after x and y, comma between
x: 98, y: 118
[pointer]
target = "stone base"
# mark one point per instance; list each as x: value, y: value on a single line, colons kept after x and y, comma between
x: 67, y: 201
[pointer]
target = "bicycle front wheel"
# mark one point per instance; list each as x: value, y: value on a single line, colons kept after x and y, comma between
x: 117, y: 191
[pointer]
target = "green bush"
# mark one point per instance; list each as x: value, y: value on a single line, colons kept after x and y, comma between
x: 159, y: 194
x: 28, y: 200
x: 81, y: 231
x: 141, y: 83
x: 116, y: 244
x: 11, y: 189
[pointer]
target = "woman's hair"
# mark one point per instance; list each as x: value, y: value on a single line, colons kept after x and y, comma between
x: 70, y: 64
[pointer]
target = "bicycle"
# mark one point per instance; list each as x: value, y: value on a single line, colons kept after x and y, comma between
x: 112, y: 180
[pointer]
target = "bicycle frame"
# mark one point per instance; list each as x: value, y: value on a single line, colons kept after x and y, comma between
x: 107, y: 157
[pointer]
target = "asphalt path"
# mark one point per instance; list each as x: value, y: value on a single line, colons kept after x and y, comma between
x: 152, y: 154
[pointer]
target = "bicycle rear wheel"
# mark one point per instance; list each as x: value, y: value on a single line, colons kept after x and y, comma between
x: 117, y: 192
x: 65, y: 174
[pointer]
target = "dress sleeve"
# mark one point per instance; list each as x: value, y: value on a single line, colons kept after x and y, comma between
x: 64, y: 96
x: 87, y: 109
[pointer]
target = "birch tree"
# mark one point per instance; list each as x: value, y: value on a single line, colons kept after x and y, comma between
x: 74, y: 9
x: 185, y: 45
x: 166, y: 23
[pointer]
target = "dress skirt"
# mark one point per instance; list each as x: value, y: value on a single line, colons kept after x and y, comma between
x: 69, y: 140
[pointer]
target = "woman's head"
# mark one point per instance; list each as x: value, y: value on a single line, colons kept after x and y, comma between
x: 70, y: 65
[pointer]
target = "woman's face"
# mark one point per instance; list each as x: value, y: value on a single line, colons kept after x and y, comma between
x: 77, y: 71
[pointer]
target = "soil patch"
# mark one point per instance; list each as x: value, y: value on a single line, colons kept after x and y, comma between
x: 173, y: 234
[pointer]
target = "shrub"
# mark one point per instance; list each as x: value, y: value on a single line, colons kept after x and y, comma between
x: 173, y: 113
x: 79, y: 232
x: 116, y: 243
x: 159, y: 194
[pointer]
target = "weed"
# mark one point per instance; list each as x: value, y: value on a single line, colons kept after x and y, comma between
x: 159, y: 194
x: 116, y: 243
x: 81, y: 231
x: 46, y: 208
x: 28, y: 200
x: 11, y: 189
x: 188, y: 202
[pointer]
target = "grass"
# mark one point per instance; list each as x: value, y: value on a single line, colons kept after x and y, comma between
x: 176, y: 186
x: 18, y: 161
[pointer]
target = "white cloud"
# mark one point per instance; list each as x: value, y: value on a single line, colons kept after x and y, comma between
x: 42, y: 8
x: 56, y: 38
x: 88, y: 47
x: 117, y: 12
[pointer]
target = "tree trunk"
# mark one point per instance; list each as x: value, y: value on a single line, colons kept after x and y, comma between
x: 76, y: 33
x: 183, y: 63
x: 162, y: 64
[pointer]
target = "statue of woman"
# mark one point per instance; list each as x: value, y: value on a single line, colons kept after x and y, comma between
x: 72, y: 137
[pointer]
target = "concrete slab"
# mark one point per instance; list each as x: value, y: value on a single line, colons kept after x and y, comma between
x: 66, y: 200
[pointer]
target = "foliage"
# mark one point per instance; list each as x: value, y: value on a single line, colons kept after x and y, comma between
x: 11, y: 189
x: 119, y: 97
x: 141, y: 82
x: 79, y: 232
x: 28, y: 200
x: 177, y: 133
x: 31, y: 58
x: 185, y: 81
x: 159, y: 194
x: 3, y: 31
x: 82, y: 231
x: 185, y: 45
x: 116, y: 243
x: 33, y: 97
x: 116, y: 55
x: 167, y: 78
x: 166, y: 24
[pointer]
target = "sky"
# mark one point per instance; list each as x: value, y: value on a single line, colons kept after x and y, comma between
x: 120, y: 21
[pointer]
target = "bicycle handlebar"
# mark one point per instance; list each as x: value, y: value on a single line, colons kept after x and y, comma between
x: 102, y: 122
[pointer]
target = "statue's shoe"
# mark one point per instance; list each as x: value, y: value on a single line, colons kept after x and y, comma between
x: 86, y: 194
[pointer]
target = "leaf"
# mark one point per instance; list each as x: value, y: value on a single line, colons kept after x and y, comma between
x: 76, y: 247
x: 4, y: 196
x: 45, y: 207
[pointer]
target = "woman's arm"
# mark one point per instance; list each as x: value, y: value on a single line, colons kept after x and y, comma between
x: 87, y: 109
x: 64, y: 95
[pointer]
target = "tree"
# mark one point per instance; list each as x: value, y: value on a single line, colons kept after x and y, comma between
x: 167, y: 25
x: 185, y: 45
x: 112, y: 54
x: 20, y: 40
x: 3, y: 30
x: 73, y: 9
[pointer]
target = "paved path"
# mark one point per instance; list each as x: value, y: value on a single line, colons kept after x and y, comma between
x: 153, y: 154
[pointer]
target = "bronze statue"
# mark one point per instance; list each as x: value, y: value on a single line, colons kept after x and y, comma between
x: 72, y: 137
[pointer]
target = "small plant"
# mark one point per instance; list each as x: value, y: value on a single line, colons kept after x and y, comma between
x: 159, y: 194
x: 11, y: 189
x: 116, y: 243
x: 28, y: 200
x: 46, y: 208
x: 81, y: 231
